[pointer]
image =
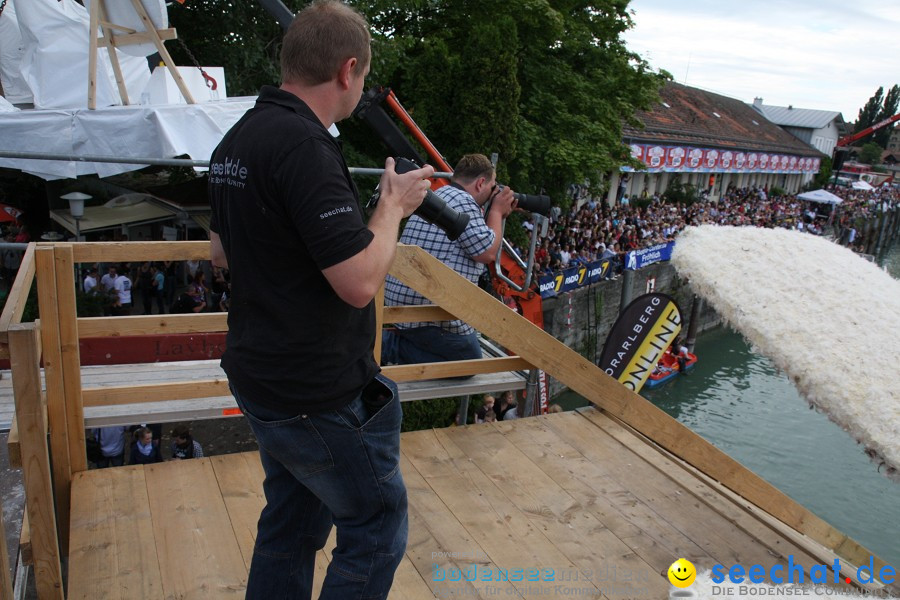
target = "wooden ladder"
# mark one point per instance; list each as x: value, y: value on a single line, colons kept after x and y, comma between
x: 110, y: 40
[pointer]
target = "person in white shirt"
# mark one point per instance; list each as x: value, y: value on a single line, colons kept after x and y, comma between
x: 122, y: 285
x: 90, y: 282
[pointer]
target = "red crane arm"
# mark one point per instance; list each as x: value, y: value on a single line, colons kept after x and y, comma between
x: 849, y: 139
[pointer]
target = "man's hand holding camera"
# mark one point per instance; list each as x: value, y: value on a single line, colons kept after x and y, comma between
x: 403, y: 192
x: 504, y: 201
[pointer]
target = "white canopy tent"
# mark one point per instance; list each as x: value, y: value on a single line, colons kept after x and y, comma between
x: 128, y: 209
x: 862, y: 185
x: 820, y: 196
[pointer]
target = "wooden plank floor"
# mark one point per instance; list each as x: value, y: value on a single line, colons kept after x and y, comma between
x: 574, y: 492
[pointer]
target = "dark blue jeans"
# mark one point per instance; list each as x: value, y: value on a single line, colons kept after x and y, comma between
x: 340, y: 467
x: 427, y: 344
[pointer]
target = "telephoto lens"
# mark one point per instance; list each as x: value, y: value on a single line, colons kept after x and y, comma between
x: 433, y: 209
x: 539, y: 204
x: 530, y: 202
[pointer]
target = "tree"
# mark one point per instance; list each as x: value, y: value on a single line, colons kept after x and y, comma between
x: 546, y: 84
x: 878, y: 108
x: 239, y: 36
x: 871, y: 154
x: 888, y: 110
x: 869, y: 112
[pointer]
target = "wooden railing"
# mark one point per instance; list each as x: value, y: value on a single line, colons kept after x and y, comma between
x: 58, y: 332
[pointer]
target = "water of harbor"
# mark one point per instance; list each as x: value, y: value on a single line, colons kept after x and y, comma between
x: 737, y: 400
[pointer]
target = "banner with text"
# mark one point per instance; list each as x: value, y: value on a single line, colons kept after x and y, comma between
x: 637, y: 259
x: 638, y: 339
x: 573, y: 277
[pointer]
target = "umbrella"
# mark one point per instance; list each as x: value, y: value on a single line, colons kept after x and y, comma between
x: 821, y: 196
x: 862, y: 185
x: 9, y: 214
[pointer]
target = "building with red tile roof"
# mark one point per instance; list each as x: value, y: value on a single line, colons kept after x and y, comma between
x: 711, y: 141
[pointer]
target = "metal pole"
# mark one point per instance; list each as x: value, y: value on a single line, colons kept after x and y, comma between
x: 462, y: 414
x: 627, y: 284
x: 693, y: 325
x: 531, y: 392
x: 160, y: 162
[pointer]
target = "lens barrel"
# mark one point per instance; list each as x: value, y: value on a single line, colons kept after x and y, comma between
x: 539, y: 204
x: 433, y: 209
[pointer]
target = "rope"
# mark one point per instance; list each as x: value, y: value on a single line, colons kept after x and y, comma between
x: 211, y: 83
x: 2, y: 6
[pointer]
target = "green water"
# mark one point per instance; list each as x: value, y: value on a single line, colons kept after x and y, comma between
x: 738, y: 401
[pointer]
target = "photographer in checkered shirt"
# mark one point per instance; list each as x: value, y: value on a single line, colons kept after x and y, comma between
x: 473, y: 184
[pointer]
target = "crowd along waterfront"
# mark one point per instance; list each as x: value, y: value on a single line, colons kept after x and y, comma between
x: 740, y: 402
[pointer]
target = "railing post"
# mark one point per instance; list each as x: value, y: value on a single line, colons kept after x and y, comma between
x: 70, y: 357
x: 53, y: 377
x: 25, y: 358
x: 6, y: 588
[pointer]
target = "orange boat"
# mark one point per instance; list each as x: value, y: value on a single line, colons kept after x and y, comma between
x: 667, y: 368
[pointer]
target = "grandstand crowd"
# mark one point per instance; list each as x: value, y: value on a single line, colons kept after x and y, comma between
x: 593, y: 230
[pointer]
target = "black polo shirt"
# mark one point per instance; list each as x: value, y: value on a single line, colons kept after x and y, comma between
x: 285, y: 208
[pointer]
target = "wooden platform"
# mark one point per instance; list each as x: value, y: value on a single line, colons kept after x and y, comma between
x: 577, y: 493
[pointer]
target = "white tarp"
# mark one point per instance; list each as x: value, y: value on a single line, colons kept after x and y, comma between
x: 11, y: 50
x: 121, y: 131
x: 820, y: 196
x: 54, y: 63
x: 862, y: 185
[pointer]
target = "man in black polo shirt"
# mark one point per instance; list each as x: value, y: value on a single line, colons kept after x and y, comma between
x: 304, y: 270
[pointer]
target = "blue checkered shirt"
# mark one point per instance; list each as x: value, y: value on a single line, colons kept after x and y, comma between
x: 457, y: 255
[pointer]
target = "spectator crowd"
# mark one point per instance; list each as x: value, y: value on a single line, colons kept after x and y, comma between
x: 592, y: 230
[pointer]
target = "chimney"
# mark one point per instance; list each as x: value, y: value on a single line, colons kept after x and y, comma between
x: 790, y: 107
x: 758, y: 102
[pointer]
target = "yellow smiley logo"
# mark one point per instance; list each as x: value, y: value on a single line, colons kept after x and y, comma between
x: 682, y: 573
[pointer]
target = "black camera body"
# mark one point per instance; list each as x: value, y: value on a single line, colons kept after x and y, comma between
x: 433, y: 209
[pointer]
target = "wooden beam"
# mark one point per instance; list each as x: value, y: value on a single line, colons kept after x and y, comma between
x: 13, y: 447
x: 70, y: 357
x: 415, y: 314
x: 25, y: 350
x: 138, y: 394
x: 90, y: 252
x: 6, y: 584
x: 111, y: 43
x: 419, y: 270
x: 25, y: 541
x: 48, y: 302
x: 139, y: 37
x: 92, y: 54
x: 455, y: 368
x: 92, y: 327
x: 150, y: 28
x: 211, y: 388
x: 18, y: 294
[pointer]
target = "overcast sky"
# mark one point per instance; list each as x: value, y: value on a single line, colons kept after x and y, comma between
x: 822, y: 54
